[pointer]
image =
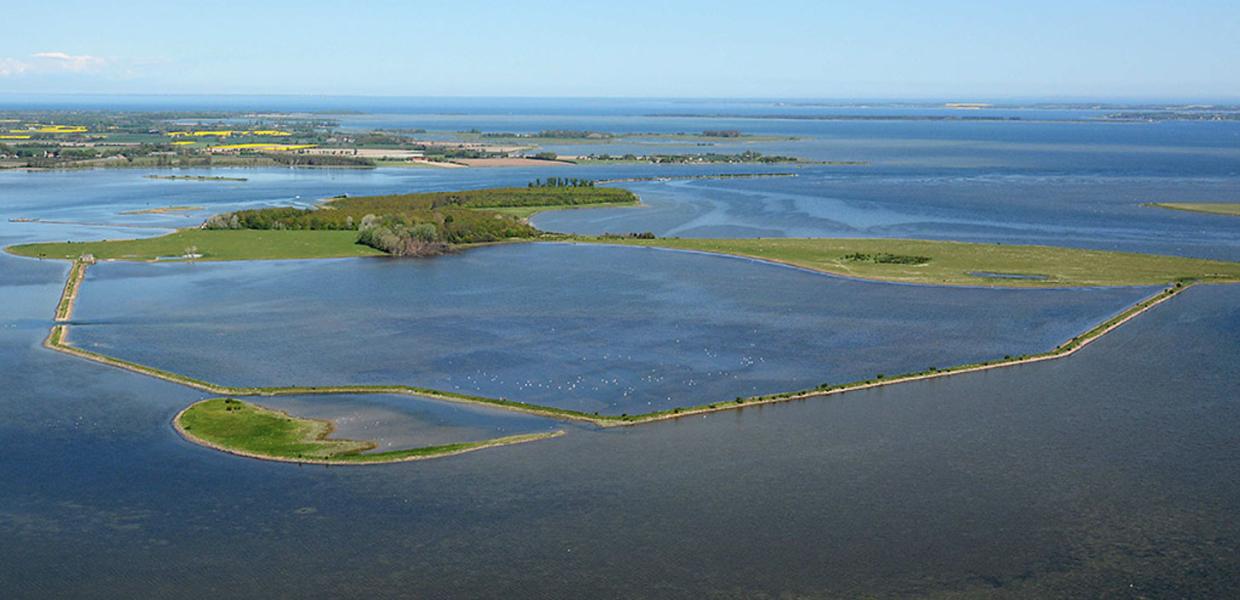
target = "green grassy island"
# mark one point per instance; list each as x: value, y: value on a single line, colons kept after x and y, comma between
x: 250, y: 430
x: 426, y: 224
x: 959, y: 263
x: 406, y: 224
x: 1214, y: 208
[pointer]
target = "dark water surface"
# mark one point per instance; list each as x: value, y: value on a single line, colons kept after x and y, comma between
x: 1106, y: 471
x: 590, y: 328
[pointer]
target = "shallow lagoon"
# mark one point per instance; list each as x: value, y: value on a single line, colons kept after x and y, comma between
x: 590, y: 328
x: 397, y: 422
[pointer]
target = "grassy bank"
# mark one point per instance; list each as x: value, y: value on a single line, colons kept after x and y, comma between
x: 244, y: 244
x: 526, y: 212
x: 958, y: 263
x: 903, y: 261
x: 68, y: 296
x: 1213, y: 208
x: 249, y: 430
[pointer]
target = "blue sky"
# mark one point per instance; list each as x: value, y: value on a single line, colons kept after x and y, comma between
x: 773, y: 48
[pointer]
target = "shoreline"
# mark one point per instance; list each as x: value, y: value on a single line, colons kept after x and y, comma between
x: 984, y: 283
x: 57, y: 340
x: 510, y: 440
x: 1218, y: 209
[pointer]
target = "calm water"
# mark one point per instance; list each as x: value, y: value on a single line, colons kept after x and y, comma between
x: 1077, y: 477
x: 1089, y: 212
x: 590, y: 328
x: 1081, y: 210
x: 1110, y: 473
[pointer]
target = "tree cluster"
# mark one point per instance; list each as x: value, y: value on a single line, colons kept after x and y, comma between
x: 557, y: 182
x: 396, y: 235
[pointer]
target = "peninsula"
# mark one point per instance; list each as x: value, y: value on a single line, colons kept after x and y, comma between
x: 1214, y: 208
x: 249, y: 430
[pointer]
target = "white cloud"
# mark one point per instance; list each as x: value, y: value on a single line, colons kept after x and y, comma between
x: 51, y: 62
x: 71, y: 62
x: 12, y: 66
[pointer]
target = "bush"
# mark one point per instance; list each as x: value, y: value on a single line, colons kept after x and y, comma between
x: 458, y: 217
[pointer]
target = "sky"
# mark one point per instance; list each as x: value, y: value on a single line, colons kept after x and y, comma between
x: 946, y: 49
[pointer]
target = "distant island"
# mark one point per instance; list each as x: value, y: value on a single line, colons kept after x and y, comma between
x: 196, y: 178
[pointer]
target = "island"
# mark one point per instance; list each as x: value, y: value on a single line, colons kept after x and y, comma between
x: 249, y: 430
x: 432, y: 223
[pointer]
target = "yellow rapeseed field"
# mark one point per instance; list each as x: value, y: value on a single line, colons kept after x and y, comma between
x: 229, y: 132
x: 37, y: 128
x: 265, y: 147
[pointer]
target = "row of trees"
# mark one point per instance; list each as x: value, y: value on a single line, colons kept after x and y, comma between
x: 452, y: 225
x: 748, y: 156
x: 556, y: 182
x: 886, y: 258
x: 633, y: 235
